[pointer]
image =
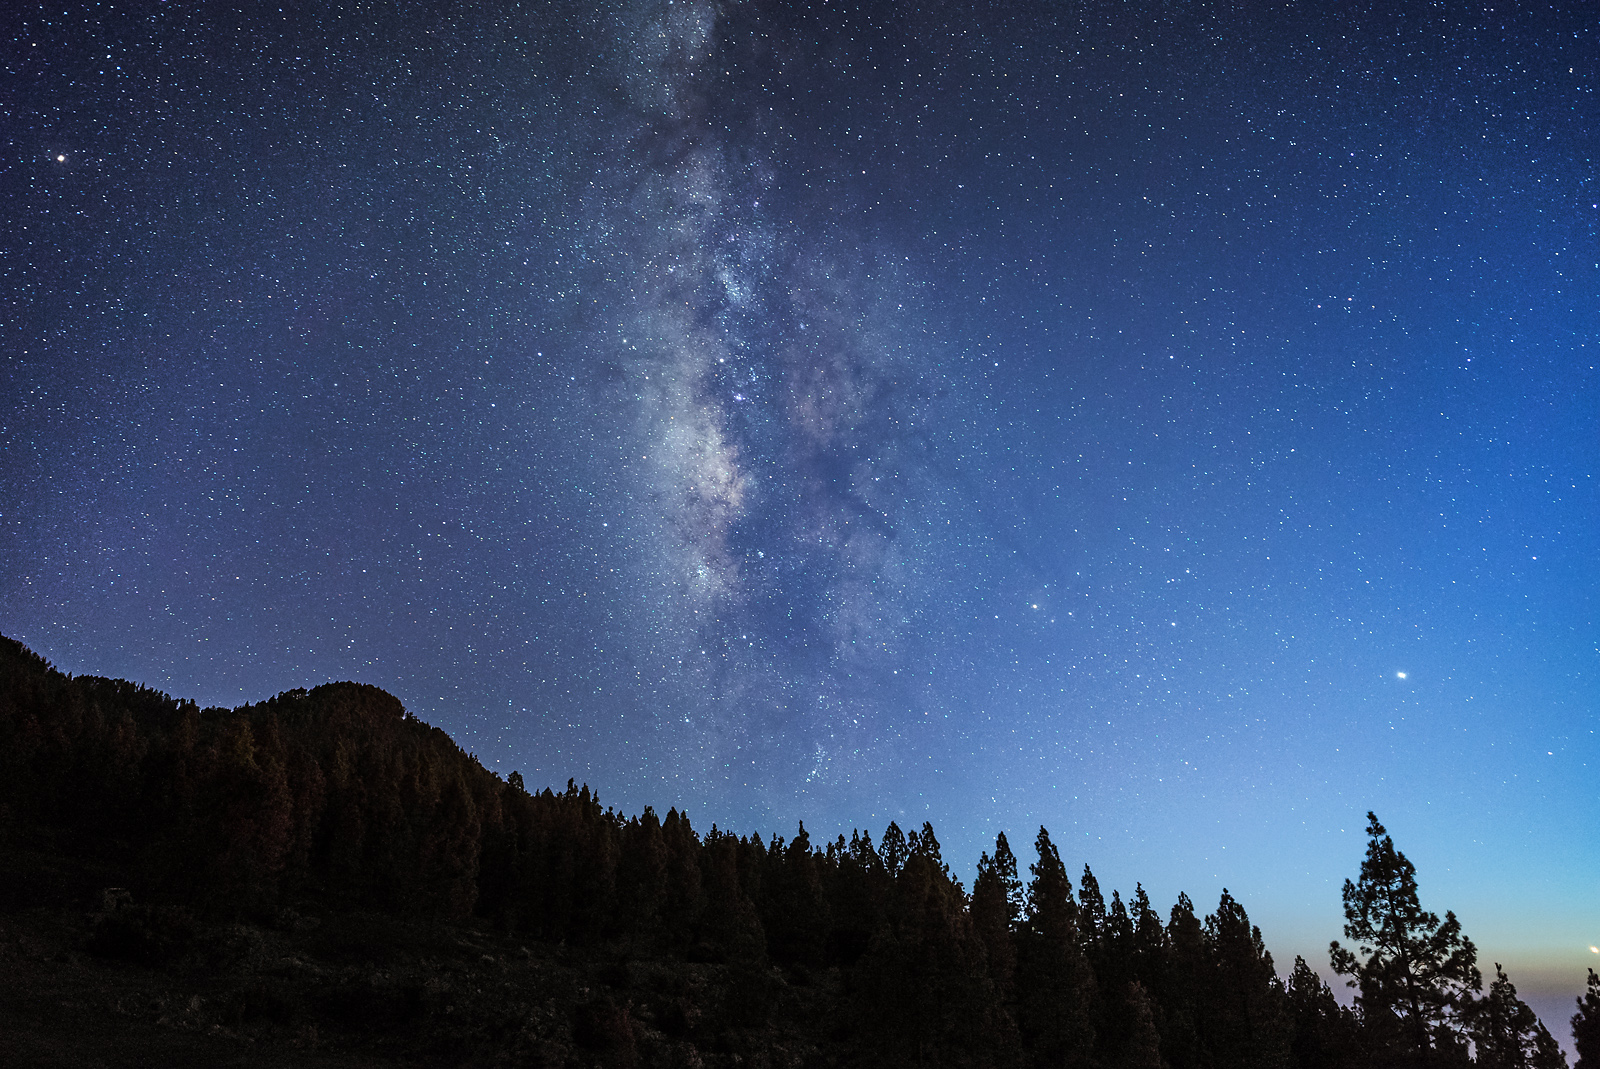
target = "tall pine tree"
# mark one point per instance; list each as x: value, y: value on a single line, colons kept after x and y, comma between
x: 1055, y: 986
x: 1586, y: 1026
x: 996, y: 910
x: 1416, y: 975
x: 1247, y: 1021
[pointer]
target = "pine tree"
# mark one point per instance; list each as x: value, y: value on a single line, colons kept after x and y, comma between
x: 793, y: 910
x: 1005, y: 866
x: 1120, y: 1012
x: 927, y: 844
x: 1326, y: 1034
x: 1415, y: 974
x: 1187, y: 985
x: 920, y: 996
x: 1586, y: 1026
x: 859, y: 896
x: 1055, y: 986
x: 1117, y: 942
x: 642, y: 877
x: 1091, y: 911
x: 1247, y: 1020
x: 1507, y: 1034
x: 893, y: 848
x: 1149, y: 943
x: 996, y: 912
x: 685, y: 897
x: 732, y: 927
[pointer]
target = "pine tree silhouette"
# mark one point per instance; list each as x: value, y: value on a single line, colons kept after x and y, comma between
x: 1326, y: 1034
x: 1416, y: 975
x: 1188, y: 978
x: 996, y: 913
x: 921, y: 996
x: 1055, y: 986
x: 893, y: 849
x: 1586, y: 1026
x: 1506, y: 1034
x: 1248, y: 1019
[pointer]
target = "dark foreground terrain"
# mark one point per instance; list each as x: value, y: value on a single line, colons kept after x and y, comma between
x: 361, y: 990
x: 91, y: 978
x: 321, y: 879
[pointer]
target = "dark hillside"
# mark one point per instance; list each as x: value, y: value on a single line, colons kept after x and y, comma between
x: 322, y: 879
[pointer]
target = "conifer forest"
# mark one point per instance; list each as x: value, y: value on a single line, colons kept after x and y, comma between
x: 322, y: 879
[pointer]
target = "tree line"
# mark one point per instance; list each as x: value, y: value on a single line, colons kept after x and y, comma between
x: 337, y: 797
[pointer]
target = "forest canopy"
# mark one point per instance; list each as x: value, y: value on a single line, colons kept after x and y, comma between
x: 336, y: 799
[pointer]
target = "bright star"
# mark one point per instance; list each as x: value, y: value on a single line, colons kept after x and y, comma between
x: 1399, y: 675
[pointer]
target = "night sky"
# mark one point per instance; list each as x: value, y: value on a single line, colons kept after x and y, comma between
x: 1176, y: 424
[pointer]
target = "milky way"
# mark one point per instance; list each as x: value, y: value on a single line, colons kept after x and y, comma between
x: 773, y: 396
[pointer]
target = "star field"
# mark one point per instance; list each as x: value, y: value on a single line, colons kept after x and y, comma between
x: 1176, y: 426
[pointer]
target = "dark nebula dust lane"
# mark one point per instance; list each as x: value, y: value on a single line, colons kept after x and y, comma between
x: 1173, y: 425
